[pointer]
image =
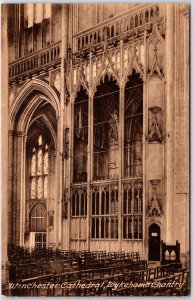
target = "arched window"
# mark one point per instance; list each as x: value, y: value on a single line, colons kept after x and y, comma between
x: 39, y: 169
x: 38, y: 218
x: 133, y: 163
x: 80, y: 137
x: 105, y: 131
x: 133, y: 123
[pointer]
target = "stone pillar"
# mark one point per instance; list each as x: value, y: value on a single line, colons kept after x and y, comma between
x: 19, y: 182
x: 121, y: 159
x: 58, y: 189
x: 61, y: 131
x: 10, y: 187
x: 4, y: 139
x: 121, y: 145
x: 170, y: 110
x: 90, y: 156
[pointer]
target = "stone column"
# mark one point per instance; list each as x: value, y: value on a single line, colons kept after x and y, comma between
x: 10, y: 186
x: 121, y: 145
x: 90, y: 155
x: 170, y: 111
x: 19, y: 196
x: 62, y: 228
x: 58, y: 186
x: 121, y: 160
x: 4, y: 137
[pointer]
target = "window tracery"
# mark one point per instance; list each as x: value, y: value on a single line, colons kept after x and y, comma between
x: 105, y: 160
x: 38, y: 218
x: 133, y: 123
x: 80, y: 137
x: 104, y: 223
x: 39, y: 170
x: 132, y: 211
x: 105, y: 127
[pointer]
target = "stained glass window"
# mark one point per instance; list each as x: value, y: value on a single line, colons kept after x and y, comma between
x: 39, y: 188
x: 40, y: 140
x: 39, y: 162
x: 46, y: 163
x: 39, y: 169
x: 33, y: 163
x: 33, y: 188
x: 46, y: 187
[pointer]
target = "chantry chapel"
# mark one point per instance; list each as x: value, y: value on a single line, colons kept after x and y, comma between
x: 96, y: 140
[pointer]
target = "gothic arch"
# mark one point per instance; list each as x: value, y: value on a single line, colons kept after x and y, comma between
x: 153, y: 221
x: 35, y: 204
x: 48, y: 124
x: 28, y: 90
x: 80, y: 84
x: 35, y: 111
x: 101, y: 77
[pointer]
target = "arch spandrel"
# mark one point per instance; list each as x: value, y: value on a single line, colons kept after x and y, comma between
x: 78, y: 87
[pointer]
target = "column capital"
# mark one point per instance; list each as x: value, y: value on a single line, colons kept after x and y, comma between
x: 10, y: 132
x: 20, y: 134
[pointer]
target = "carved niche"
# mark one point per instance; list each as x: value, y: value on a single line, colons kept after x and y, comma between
x: 156, y: 51
x: 65, y: 204
x: 155, y: 203
x: 66, y: 143
x: 51, y: 219
x: 56, y: 80
x: 155, y: 125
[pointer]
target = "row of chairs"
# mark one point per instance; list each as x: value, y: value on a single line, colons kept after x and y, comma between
x: 15, y: 252
x: 115, y: 282
x: 25, y: 264
x: 43, y: 267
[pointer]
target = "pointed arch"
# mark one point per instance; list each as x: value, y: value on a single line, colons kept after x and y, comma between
x: 38, y: 217
x: 106, y: 69
x: 34, y: 86
x: 80, y: 84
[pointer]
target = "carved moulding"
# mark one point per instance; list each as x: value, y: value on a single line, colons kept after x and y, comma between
x: 12, y: 93
x: 44, y: 78
x: 155, y: 204
x: 79, y: 79
x: 65, y: 153
x: 106, y: 67
x: 66, y: 143
x: 155, y: 51
x: 155, y: 125
x: 133, y: 63
x: 55, y: 79
x: 51, y: 219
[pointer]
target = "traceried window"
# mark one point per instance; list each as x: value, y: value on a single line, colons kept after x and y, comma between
x: 133, y: 127
x: 132, y: 219
x: 105, y: 212
x: 39, y: 170
x: 105, y: 131
x: 80, y: 137
x: 38, y: 218
x: 79, y: 202
x: 132, y: 210
x: 105, y: 171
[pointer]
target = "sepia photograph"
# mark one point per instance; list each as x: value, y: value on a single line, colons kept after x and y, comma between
x: 95, y: 144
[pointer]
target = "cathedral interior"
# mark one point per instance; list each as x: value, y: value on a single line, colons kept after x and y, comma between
x: 95, y: 159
